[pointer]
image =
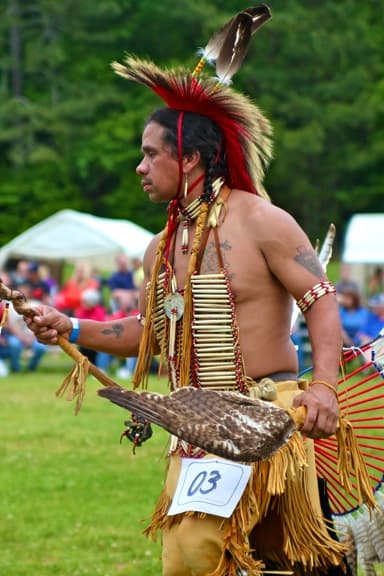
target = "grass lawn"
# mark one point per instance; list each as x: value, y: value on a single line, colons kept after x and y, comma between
x: 73, y: 500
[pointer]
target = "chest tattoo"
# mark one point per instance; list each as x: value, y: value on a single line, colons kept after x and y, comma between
x: 210, y: 263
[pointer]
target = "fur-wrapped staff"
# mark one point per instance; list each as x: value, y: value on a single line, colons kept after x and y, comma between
x: 74, y: 382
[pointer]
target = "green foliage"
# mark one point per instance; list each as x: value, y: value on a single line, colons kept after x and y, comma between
x: 70, y: 131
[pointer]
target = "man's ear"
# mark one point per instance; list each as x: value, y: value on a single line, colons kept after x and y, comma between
x: 190, y: 161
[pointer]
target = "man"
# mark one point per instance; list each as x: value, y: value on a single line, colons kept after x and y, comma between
x: 374, y: 320
x: 221, y: 277
x: 122, y: 286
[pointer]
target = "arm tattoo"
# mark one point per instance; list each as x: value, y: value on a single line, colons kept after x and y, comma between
x: 117, y: 330
x: 308, y: 259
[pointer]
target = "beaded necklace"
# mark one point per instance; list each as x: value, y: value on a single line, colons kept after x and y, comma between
x: 195, y: 328
x: 188, y: 214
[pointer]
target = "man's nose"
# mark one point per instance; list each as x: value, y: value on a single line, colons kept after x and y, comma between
x: 140, y: 168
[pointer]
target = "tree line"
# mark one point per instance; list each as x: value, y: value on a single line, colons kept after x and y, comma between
x: 70, y: 130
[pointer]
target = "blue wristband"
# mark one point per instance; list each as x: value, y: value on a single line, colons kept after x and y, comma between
x: 75, y: 332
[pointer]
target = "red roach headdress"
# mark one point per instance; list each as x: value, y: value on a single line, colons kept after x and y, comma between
x: 246, y: 132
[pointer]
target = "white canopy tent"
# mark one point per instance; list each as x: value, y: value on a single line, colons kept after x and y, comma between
x: 364, y: 244
x: 69, y: 236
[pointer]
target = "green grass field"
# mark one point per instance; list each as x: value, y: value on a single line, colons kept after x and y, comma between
x: 73, y: 500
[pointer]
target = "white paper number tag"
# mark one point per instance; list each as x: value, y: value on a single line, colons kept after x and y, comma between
x: 211, y: 486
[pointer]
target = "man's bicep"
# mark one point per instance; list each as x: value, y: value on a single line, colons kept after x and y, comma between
x: 293, y: 260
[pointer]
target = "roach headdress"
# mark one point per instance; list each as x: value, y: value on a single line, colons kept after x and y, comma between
x: 246, y: 132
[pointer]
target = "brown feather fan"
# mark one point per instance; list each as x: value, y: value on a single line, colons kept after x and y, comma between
x: 227, y: 424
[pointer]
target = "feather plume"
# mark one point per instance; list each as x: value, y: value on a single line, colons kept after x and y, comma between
x: 326, y: 250
x: 246, y: 131
x: 258, y: 15
x: 212, y: 50
x: 234, y: 48
x: 227, y: 424
x: 236, y: 41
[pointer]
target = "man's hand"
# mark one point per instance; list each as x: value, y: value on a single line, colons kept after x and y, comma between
x: 322, y: 411
x: 48, y: 323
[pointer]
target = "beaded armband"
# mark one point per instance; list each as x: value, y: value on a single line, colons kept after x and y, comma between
x: 321, y: 289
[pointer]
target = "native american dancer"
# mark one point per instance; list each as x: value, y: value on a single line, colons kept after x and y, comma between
x: 216, y: 305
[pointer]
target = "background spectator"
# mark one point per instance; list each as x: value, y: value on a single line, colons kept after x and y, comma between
x: 138, y: 272
x: 376, y: 282
x: 353, y: 315
x: 45, y: 275
x: 346, y: 282
x: 90, y: 309
x: 121, y: 283
x: 20, y: 337
x: 375, y: 318
x: 39, y: 289
x: 20, y: 273
x: 69, y: 297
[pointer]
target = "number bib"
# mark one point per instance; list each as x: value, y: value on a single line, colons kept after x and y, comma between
x: 209, y: 485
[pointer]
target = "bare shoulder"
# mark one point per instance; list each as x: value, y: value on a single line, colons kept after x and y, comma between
x: 150, y: 253
x: 264, y: 220
x: 276, y: 235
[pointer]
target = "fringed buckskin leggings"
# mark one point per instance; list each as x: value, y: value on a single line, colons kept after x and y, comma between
x: 194, y: 546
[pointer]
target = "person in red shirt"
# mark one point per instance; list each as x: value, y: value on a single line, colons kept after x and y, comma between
x: 90, y: 308
x: 68, y: 299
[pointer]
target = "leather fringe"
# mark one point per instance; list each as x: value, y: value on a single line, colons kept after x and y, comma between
x: 146, y: 348
x: 74, y: 382
x: 351, y: 463
x: 279, y: 483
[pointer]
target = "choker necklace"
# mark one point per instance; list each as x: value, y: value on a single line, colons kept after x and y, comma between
x: 187, y: 214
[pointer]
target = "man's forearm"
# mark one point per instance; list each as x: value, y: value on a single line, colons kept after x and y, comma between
x: 325, y: 335
x: 118, y: 337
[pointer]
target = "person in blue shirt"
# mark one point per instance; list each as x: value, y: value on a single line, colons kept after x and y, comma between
x: 121, y: 283
x: 353, y: 315
x: 374, y: 321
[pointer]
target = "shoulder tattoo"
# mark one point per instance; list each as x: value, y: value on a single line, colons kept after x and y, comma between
x: 307, y: 258
x: 115, y: 330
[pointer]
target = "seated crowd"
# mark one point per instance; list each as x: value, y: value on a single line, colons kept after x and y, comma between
x: 86, y: 295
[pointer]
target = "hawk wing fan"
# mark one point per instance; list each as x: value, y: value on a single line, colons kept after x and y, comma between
x: 227, y: 424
